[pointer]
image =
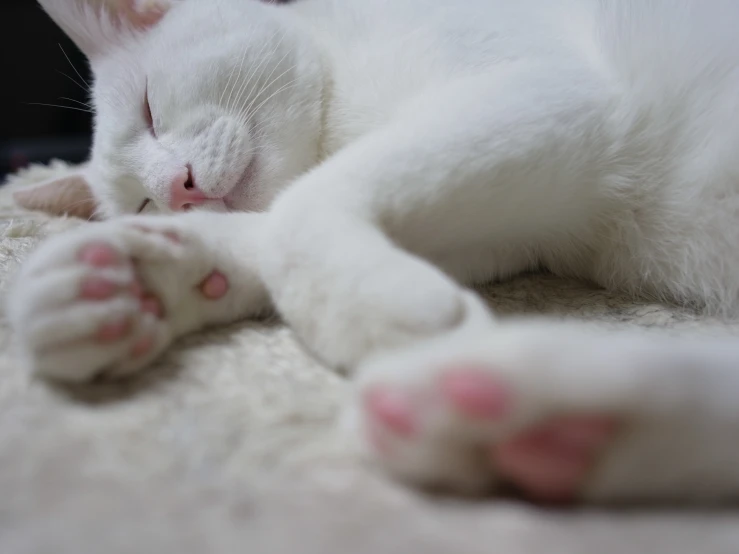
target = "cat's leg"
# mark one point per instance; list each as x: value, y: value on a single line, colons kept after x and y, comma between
x: 563, y: 411
x: 351, y: 249
x: 108, y: 298
x: 514, y: 159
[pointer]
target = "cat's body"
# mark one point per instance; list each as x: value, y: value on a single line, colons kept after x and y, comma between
x: 649, y: 206
x: 596, y: 138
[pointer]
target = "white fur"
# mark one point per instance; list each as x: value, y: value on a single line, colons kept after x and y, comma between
x: 431, y: 142
x: 56, y: 328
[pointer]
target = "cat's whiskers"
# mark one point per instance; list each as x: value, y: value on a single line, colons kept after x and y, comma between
x: 87, y: 85
x: 85, y: 104
x: 60, y: 106
x: 253, y: 79
x: 219, y: 12
x: 252, y: 150
x: 247, y: 118
x: 248, y: 111
x: 256, y: 129
x: 87, y: 90
x: 238, y: 82
x: 286, y: 86
x: 228, y: 83
x: 267, y: 80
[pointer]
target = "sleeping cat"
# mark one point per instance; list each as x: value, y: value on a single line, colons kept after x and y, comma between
x: 356, y: 163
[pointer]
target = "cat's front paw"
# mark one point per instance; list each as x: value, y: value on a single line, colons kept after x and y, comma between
x: 545, y: 409
x: 108, y: 298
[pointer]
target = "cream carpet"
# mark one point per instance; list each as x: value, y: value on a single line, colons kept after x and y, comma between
x: 227, y: 446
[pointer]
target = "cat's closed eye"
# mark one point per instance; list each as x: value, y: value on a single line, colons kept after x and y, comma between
x: 143, y: 205
x: 147, y: 113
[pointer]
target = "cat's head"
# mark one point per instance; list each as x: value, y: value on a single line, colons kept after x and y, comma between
x: 198, y: 104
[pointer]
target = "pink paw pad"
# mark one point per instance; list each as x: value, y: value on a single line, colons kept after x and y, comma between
x: 116, y: 330
x: 214, y: 286
x: 151, y: 305
x: 96, y: 288
x: 584, y: 431
x: 392, y: 409
x: 476, y: 394
x: 171, y: 235
x: 550, y: 462
x: 137, y: 289
x: 142, y: 347
x: 98, y: 255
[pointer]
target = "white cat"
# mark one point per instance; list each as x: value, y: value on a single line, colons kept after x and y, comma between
x: 355, y: 163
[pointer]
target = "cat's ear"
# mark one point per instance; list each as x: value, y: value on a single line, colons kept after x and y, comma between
x: 69, y: 195
x: 96, y: 26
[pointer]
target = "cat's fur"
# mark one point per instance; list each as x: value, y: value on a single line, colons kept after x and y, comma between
x: 421, y: 144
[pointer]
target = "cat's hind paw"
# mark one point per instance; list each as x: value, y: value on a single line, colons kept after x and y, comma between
x: 536, y: 406
x: 548, y: 461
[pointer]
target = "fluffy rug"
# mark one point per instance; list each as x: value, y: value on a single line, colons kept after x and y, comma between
x: 227, y: 445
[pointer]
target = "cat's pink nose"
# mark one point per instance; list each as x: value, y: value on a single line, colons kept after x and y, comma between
x: 183, y: 193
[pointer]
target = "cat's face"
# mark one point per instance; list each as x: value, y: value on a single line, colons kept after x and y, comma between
x: 206, y: 105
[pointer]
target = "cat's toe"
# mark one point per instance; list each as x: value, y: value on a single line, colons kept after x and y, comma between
x: 114, y: 330
x: 474, y: 393
x: 548, y: 461
x: 424, y: 432
x: 214, y: 286
x: 552, y: 460
x: 99, y: 254
x: 391, y: 409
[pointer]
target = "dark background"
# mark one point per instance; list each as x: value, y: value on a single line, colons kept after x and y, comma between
x: 30, y: 73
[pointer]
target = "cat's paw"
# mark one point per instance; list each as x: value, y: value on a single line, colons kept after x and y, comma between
x: 489, y: 404
x: 108, y: 298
